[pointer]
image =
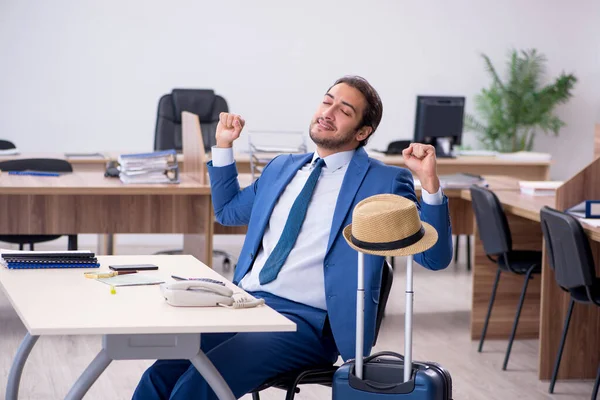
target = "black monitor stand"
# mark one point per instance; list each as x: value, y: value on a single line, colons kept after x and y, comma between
x: 439, y: 149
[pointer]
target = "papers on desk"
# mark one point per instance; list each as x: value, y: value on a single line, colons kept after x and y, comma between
x: 157, y: 167
x: 461, y: 181
x: 475, y: 153
x: 85, y: 156
x: 586, y: 209
x: 578, y: 211
x: 591, y: 221
x: 524, y: 156
x: 539, y: 188
x: 132, y: 280
x: 456, y: 181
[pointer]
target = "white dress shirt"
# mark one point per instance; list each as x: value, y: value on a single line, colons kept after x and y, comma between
x: 301, y: 279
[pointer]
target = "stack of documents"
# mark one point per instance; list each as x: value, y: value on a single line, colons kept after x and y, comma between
x: 157, y: 167
x: 525, y: 156
x: 476, y: 153
x: 461, y: 181
x: 539, y: 188
x: 17, y: 259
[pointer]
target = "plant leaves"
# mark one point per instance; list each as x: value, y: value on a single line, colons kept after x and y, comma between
x: 509, y: 113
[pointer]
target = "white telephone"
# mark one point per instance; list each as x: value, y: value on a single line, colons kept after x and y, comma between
x: 193, y: 293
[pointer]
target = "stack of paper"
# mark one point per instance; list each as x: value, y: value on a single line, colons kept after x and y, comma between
x: 157, y: 167
x: 461, y: 181
x: 475, y: 153
x: 591, y: 221
x: 132, y: 280
x: 524, y: 156
x: 539, y: 188
x: 18, y: 259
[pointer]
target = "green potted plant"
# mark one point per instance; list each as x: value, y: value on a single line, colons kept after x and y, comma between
x: 511, y: 112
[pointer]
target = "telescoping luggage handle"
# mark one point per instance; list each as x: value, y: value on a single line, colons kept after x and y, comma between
x: 360, y: 318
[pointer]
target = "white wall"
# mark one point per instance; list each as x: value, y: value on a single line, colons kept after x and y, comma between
x: 87, y: 75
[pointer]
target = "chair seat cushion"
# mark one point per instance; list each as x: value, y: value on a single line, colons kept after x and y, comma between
x: 580, y: 294
x: 521, y: 260
x: 18, y: 239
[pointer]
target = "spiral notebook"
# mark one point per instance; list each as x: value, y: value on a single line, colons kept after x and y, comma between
x: 13, y: 259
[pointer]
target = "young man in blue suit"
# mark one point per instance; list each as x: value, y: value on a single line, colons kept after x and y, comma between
x: 294, y: 255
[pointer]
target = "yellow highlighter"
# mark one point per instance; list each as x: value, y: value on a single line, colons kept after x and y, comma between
x: 99, y: 275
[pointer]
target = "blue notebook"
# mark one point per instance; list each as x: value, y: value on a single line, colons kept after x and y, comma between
x: 46, y: 259
x: 12, y: 265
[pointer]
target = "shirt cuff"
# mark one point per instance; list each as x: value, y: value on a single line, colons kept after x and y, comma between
x: 222, y: 157
x: 434, y: 199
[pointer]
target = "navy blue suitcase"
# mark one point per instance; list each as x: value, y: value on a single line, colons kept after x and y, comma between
x: 383, y: 375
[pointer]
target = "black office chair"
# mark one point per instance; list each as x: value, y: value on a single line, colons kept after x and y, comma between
x: 570, y: 256
x: 202, y: 102
x: 7, y: 145
x: 42, y: 165
x: 497, y: 242
x: 323, y: 374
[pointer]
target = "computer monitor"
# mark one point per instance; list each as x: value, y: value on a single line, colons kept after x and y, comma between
x: 439, y: 122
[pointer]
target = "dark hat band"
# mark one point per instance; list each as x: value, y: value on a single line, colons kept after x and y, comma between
x: 398, y: 244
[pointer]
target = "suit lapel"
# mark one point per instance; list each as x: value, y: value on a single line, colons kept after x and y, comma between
x: 288, y: 171
x: 359, y: 165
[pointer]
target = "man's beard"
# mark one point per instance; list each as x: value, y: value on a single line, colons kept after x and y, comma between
x: 331, y: 143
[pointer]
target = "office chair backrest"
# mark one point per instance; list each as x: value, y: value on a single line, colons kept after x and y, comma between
x: 37, y: 164
x: 491, y: 221
x: 7, y: 145
x: 569, y: 251
x: 202, y: 102
x: 387, y: 277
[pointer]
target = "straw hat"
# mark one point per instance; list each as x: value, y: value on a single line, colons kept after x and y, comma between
x: 389, y: 225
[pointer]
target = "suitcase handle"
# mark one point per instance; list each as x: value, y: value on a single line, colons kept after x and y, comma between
x: 371, y: 386
x: 384, y: 353
x: 380, y: 354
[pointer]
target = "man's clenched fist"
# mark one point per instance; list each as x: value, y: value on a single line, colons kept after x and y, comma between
x: 229, y: 128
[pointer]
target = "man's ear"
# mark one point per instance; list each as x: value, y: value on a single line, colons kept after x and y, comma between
x: 363, y: 133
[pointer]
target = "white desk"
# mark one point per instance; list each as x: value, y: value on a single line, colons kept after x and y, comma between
x: 136, y: 323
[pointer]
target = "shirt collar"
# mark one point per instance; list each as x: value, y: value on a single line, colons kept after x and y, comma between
x: 336, y: 160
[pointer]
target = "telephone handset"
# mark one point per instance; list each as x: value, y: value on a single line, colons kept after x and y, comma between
x: 193, y: 293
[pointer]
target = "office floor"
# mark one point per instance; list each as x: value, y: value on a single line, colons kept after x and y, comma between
x: 441, y: 323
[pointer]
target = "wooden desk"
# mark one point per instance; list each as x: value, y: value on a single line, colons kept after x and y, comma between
x: 538, y: 170
x: 136, y: 323
x: 461, y: 211
x: 545, y: 304
x: 526, y: 170
x: 87, y: 202
x: 96, y: 163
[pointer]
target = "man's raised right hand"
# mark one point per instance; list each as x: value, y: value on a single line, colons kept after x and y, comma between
x: 229, y: 128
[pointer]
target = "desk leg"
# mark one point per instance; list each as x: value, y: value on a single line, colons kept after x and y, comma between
x: 212, y: 376
x: 160, y: 347
x: 89, y: 376
x: 14, y: 377
x: 106, y: 244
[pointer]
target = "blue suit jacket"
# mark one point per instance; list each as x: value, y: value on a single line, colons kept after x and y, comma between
x: 365, y: 177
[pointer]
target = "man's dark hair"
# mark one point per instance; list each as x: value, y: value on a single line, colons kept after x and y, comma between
x: 374, y: 109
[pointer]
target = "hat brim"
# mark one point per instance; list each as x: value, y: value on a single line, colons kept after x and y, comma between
x: 425, y: 243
